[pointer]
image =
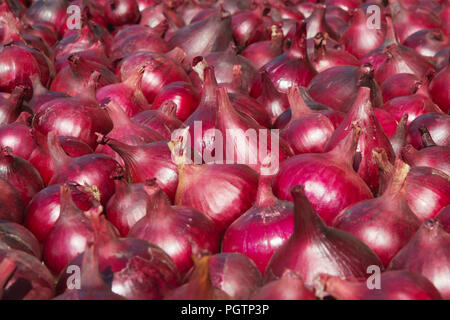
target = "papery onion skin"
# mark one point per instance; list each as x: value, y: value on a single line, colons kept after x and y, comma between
x: 17, y: 137
x: 439, y: 89
x: 120, y: 12
x: 289, y: 287
x: 437, y: 124
x: 316, y: 170
x: 398, y: 285
x: 17, y: 237
x: 52, y: 12
x: 315, y: 248
x: 44, y: 209
x: 427, y: 253
x: 427, y: 42
x: 436, y: 157
x: 11, y: 204
x: 399, y: 85
x: 444, y: 217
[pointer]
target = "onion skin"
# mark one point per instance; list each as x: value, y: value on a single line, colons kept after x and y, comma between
x: 315, y: 248
x: 162, y: 120
x: 52, y: 12
x: 12, y: 206
x: 435, y: 157
x: 148, y: 161
x: 261, y: 229
x: 438, y: 89
x: 292, y: 68
x: 31, y: 279
x: 17, y: 137
x: 92, y: 286
x: 399, y: 85
x: 183, y: 94
x: 427, y: 42
x: 372, y: 136
x: 11, y: 105
x: 358, y: 39
x: 41, y: 94
x: 186, y: 229
x: 74, y: 78
x: 17, y: 237
x: 205, y: 36
x: 221, y: 191
x: 160, y: 70
x: 41, y: 159
x: 307, y: 131
x: 437, y: 124
x: 444, y: 217
x: 387, y: 122
x: 200, y: 286
x: 273, y: 101
x: 387, y: 216
x: 396, y: 285
x: 289, y: 287
x: 428, y: 191
x: 427, y: 253
x: 70, y: 234
x: 247, y: 28
x: 120, y: 12
x: 338, y: 86
x: 317, y: 22
x: 20, y: 174
x: 44, y: 209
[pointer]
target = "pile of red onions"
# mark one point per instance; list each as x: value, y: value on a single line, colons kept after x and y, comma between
x: 224, y: 149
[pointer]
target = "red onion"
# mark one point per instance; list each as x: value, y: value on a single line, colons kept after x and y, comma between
x: 91, y: 169
x: 289, y: 287
x: 44, y: 209
x: 74, y: 78
x: 86, y: 42
x: 134, y: 269
x: 189, y: 9
x: 347, y: 5
x: 200, y: 286
x: 398, y: 139
x: 307, y: 131
x: 126, y: 131
x: 18, y: 237
x: 335, y: 117
x: 361, y: 37
x: 229, y: 192
x: 183, y: 94
x: 162, y: 120
x: 338, y: 86
x: 94, y: 10
x: 414, y: 105
x: 400, y: 59
x: 292, y: 68
x: 160, y: 70
x: 186, y: 229
x: 437, y: 124
x: 372, y: 136
x: 24, y: 277
x: 432, y: 155
x: 262, y: 228
x: 338, y: 12
x: 427, y: 253
x: 223, y: 63
x: 427, y: 42
x: 444, y: 217
x: 395, y: 285
x: 442, y: 58
x: 17, y: 137
x: 162, y: 13
x: 409, y: 20
x: 387, y: 217
x: 11, y: 105
x: 70, y: 234
x: 147, y: 161
x: 439, y: 89
x: 273, y: 101
x: 21, y: 174
x: 399, y: 85
x: 314, y: 248
x: 262, y: 52
x: 138, y: 42
x: 41, y: 159
x: 203, y: 37
x: 41, y: 94
x: 315, y: 171
x: 324, y: 58
x: 52, y: 12
x: 316, y: 23
x: 120, y: 12
x: 41, y: 30
x: 12, y: 208
x: 92, y: 286
x: 444, y: 15
x: 247, y: 28
x: 246, y: 151
x: 387, y: 122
